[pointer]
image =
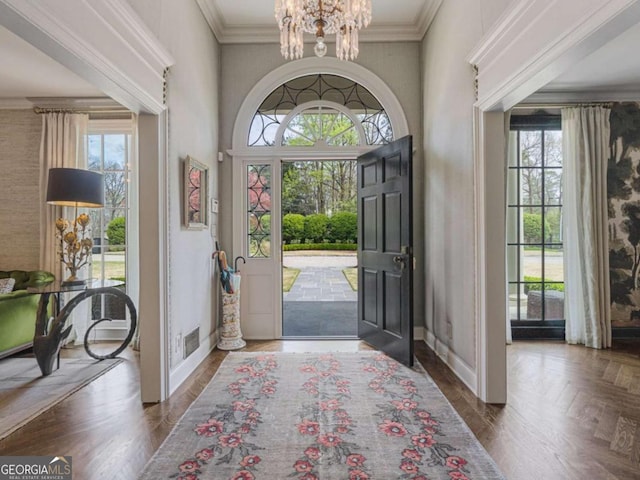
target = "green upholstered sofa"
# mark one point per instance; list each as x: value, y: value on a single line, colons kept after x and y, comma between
x: 18, y: 310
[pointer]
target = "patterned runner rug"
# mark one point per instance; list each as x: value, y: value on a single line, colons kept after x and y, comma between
x: 335, y: 416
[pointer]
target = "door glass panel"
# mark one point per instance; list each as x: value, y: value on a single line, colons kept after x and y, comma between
x: 530, y: 148
x: 532, y: 226
x: 532, y: 265
x: 259, y: 210
x: 553, y: 148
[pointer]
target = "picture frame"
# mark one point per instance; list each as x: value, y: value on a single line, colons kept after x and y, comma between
x: 196, y: 194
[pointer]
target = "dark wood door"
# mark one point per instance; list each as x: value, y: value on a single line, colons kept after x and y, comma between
x: 385, y: 254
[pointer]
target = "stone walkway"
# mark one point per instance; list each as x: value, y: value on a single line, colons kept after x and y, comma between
x: 321, y: 279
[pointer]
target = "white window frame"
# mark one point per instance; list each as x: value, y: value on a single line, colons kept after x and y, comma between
x: 126, y: 127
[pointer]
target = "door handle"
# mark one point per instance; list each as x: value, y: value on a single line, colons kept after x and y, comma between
x: 400, y: 260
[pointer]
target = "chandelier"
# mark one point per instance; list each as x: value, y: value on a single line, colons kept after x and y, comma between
x: 320, y: 17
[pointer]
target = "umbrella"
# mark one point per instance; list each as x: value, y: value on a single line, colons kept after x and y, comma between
x: 226, y: 273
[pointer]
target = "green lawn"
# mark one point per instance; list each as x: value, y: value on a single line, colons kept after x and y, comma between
x: 289, y: 276
x: 351, y: 274
x: 114, y: 267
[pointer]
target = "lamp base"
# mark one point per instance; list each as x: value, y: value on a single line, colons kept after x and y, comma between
x: 73, y: 283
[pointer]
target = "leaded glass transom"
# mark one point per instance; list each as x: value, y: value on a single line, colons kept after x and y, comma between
x: 278, y: 105
x: 319, y: 126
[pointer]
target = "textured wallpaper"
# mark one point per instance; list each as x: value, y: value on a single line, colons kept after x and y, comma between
x: 19, y: 189
x: 623, y: 191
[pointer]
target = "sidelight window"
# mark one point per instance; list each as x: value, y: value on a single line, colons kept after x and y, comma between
x: 534, y: 227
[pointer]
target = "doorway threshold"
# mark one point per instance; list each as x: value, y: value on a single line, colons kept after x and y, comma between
x: 321, y: 338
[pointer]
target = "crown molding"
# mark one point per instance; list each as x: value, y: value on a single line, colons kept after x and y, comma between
x: 240, y: 34
x: 243, y: 34
x: 428, y: 14
x: 213, y: 16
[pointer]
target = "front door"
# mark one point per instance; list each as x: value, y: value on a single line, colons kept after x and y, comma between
x: 385, y: 254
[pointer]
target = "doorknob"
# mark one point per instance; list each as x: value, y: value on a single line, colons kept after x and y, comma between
x: 399, y: 260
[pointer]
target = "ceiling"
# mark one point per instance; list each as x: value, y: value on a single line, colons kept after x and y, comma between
x: 249, y: 21
x: 615, y: 67
x: 27, y: 72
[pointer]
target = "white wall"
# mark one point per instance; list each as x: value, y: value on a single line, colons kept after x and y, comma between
x: 20, y: 189
x: 192, y: 99
x: 448, y: 98
x: 397, y: 64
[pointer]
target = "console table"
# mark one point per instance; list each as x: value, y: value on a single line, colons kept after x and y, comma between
x: 48, y: 339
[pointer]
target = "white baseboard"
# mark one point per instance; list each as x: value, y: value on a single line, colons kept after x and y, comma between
x: 186, y: 368
x: 418, y: 333
x: 458, y: 366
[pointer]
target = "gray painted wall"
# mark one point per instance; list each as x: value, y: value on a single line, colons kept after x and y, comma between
x: 448, y: 98
x: 398, y: 64
x: 192, y: 99
x: 20, y: 132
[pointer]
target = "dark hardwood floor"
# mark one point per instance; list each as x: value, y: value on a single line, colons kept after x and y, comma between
x: 572, y: 413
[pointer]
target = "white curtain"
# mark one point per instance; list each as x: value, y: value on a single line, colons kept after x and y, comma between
x: 586, y: 133
x: 63, y: 145
x: 133, y: 241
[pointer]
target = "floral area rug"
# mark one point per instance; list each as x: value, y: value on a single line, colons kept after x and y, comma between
x: 335, y: 416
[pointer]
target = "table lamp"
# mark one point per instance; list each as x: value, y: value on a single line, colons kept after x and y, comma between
x: 74, y: 187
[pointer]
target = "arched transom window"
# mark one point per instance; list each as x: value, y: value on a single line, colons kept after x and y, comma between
x: 320, y: 110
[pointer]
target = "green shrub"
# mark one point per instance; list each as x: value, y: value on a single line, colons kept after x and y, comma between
x: 343, y: 227
x: 292, y: 227
x: 315, y: 227
x: 116, y: 231
x: 535, y: 283
x: 265, y: 223
x: 532, y: 226
x: 294, y: 247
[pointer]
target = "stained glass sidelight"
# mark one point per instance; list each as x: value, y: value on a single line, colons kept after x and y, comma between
x: 259, y: 210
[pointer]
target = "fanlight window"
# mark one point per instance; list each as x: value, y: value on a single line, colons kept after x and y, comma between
x: 274, y: 116
x: 318, y: 126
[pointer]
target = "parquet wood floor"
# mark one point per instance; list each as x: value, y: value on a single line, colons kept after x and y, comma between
x: 572, y: 413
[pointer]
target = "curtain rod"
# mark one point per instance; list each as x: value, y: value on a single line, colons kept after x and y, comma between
x: 542, y: 106
x: 120, y: 110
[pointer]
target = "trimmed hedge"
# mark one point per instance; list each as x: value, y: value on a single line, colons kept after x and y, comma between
x: 292, y: 227
x: 315, y: 227
x: 343, y: 227
x: 319, y: 246
x: 537, y: 285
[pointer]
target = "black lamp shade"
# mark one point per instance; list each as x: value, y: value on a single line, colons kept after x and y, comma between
x: 74, y: 187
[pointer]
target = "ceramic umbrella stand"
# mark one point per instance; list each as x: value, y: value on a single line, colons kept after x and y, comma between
x: 230, y: 333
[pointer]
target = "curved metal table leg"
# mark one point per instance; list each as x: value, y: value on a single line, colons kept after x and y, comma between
x: 46, y: 345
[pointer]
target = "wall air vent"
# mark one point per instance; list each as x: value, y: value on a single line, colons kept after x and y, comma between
x: 191, y: 342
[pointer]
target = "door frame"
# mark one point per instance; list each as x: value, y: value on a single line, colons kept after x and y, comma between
x: 241, y: 155
x: 271, y: 266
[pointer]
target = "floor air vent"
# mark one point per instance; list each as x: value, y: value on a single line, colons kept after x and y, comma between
x: 191, y: 342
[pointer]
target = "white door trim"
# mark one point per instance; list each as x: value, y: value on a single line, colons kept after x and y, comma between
x: 243, y: 155
x: 531, y: 44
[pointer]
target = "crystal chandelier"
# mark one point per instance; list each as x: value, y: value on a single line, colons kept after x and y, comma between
x: 320, y: 17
